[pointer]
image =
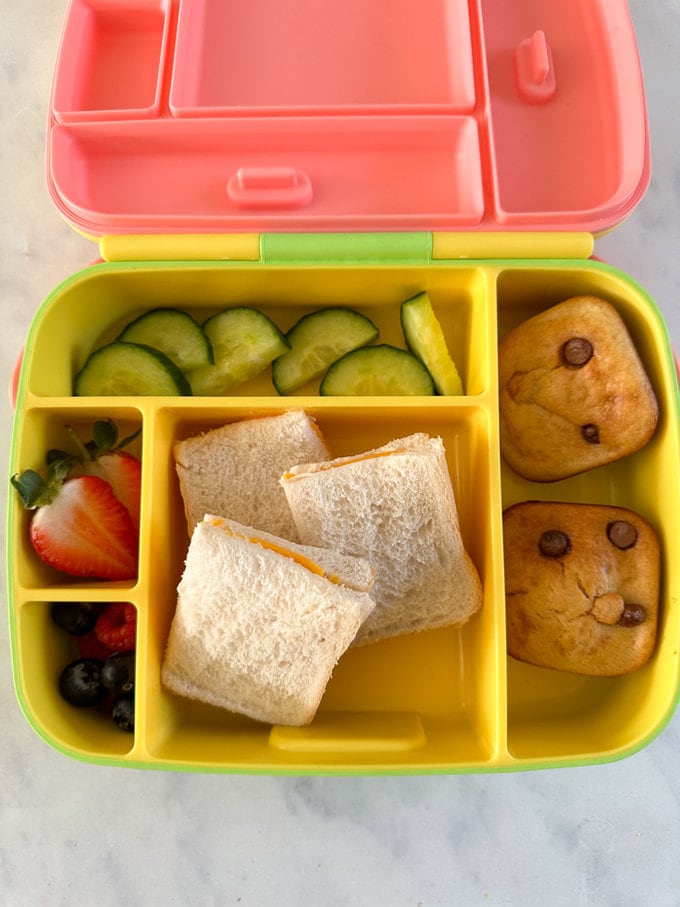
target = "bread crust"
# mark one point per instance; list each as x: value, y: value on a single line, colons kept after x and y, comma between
x: 574, y: 394
x: 574, y: 576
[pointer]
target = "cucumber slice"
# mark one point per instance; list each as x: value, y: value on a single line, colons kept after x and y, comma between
x: 425, y: 339
x: 129, y: 370
x: 377, y: 371
x: 174, y: 333
x: 244, y: 342
x: 317, y: 341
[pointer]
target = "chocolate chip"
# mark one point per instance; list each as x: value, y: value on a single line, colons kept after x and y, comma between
x: 622, y: 534
x: 591, y: 433
x: 577, y: 352
x: 554, y: 543
x: 632, y: 615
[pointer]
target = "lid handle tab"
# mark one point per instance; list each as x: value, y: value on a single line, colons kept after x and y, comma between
x: 270, y: 187
x: 534, y: 69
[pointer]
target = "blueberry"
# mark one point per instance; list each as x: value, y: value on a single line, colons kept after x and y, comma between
x: 118, y: 669
x: 123, y: 712
x: 75, y: 618
x: 81, y: 684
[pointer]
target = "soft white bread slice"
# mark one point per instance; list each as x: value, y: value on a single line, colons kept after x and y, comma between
x: 234, y: 470
x: 395, y: 507
x: 261, y: 622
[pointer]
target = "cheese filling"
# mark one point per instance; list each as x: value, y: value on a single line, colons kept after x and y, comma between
x: 300, y: 559
x: 344, y: 461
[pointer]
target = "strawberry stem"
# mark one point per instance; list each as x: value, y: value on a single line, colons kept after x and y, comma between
x: 34, y: 491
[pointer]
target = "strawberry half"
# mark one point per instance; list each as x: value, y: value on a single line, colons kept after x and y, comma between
x: 123, y: 472
x: 79, y: 527
x: 104, y: 457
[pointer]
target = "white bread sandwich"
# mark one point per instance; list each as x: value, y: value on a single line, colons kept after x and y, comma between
x: 261, y: 622
x: 395, y: 507
x: 234, y: 470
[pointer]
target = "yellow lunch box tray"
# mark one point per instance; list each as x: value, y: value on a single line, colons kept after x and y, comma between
x: 301, y: 156
x: 447, y: 700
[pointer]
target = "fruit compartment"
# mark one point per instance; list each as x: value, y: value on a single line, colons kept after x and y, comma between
x: 555, y: 716
x: 43, y: 650
x: 40, y: 429
x: 113, y: 60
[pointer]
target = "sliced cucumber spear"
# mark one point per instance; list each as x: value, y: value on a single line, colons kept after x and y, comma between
x: 318, y: 340
x: 425, y: 338
x: 174, y: 333
x: 130, y: 370
x: 244, y: 342
x: 377, y: 371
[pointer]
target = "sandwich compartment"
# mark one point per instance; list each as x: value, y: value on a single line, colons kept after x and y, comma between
x: 379, y: 153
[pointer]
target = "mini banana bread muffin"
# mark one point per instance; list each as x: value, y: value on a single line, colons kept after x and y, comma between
x: 573, y: 392
x: 581, y: 586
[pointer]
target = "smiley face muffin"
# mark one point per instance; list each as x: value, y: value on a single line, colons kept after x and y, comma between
x: 582, y: 587
x: 573, y: 392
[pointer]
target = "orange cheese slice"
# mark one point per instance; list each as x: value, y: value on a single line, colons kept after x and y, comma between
x: 336, y: 464
x: 300, y: 559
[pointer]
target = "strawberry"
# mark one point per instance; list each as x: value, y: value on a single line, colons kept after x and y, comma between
x: 79, y: 525
x: 105, y: 457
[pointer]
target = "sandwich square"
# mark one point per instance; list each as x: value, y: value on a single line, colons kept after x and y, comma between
x: 394, y: 506
x: 259, y: 625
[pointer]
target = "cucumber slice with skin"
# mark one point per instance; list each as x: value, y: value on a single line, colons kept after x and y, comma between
x: 317, y: 341
x: 174, y: 333
x: 381, y: 370
x: 130, y: 370
x: 244, y: 342
x: 425, y: 339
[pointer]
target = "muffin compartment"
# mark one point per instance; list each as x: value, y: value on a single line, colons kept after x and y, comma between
x: 560, y: 717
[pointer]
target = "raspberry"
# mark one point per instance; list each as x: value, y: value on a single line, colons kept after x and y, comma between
x: 89, y: 646
x: 116, y: 627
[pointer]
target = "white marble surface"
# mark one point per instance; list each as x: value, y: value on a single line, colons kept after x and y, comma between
x: 606, y: 836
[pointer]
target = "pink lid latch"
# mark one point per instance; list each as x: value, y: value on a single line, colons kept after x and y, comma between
x: 534, y: 69
x: 269, y: 187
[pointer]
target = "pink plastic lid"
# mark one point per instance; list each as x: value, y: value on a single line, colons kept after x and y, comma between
x: 217, y: 116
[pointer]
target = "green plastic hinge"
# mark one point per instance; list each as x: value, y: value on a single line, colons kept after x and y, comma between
x: 346, y: 247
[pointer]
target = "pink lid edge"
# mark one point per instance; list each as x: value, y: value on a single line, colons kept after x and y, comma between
x: 400, y: 116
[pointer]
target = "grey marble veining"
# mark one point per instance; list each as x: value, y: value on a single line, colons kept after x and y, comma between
x: 601, y: 836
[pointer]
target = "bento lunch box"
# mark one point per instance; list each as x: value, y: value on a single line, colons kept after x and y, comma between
x: 297, y: 156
